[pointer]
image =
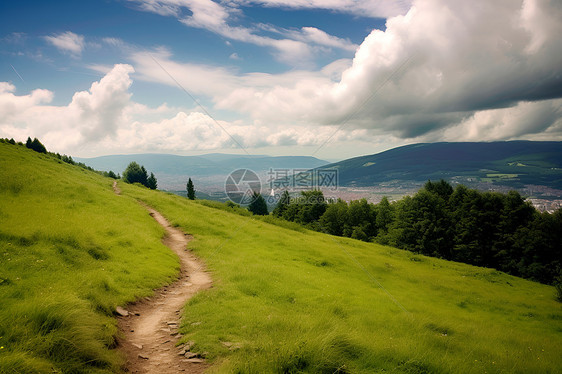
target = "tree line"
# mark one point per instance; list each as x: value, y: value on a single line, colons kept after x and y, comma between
x: 38, y: 147
x: 490, y: 229
x: 135, y: 173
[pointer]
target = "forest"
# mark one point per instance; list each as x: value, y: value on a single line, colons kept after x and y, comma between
x: 489, y: 229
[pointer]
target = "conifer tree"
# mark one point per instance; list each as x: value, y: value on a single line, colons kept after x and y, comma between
x: 258, y: 206
x: 190, y: 190
x: 151, y: 182
x: 282, y: 204
x: 37, y: 146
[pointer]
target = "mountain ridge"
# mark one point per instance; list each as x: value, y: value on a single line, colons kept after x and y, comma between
x: 514, y: 163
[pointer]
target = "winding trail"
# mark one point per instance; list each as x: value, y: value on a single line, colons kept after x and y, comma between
x: 149, y: 327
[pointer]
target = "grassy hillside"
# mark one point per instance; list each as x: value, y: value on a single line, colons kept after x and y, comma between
x: 70, y: 251
x: 513, y: 164
x: 289, y: 300
x: 284, y: 299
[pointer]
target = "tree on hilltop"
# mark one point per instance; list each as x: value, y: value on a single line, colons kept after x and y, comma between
x: 36, y: 145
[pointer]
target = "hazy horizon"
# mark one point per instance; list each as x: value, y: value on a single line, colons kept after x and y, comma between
x: 332, y: 80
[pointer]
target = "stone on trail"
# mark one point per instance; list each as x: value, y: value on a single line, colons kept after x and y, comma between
x: 195, y: 360
x: 121, y: 311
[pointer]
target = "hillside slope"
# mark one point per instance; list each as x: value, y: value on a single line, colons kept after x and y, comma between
x: 285, y: 299
x: 290, y: 300
x: 514, y: 163
x: 70, y: 252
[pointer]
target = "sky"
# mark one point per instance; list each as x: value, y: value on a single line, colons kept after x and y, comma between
x: 332, y: 79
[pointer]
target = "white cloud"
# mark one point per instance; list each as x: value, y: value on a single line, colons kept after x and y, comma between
x: 99, y: 109
x: 464, y: 59
x: 364, y: 8
x: 433, y: 68
x: 12, y: 105
x: 90, y: 117
x: 317, y: 36
x: 15, y: 38
x: 163, y: 9
x: 443, y: 71
x: 443, y: 64
x: 197, y: 79
x: 114, y: 42
x: 67, y: 42
x: 294, y: 47
x: 104, y: 119
x: 533, y: 120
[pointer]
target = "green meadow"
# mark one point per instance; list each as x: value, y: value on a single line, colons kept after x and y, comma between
x: 70, y: 251
x: 289, y: 300
x: 284, y: 299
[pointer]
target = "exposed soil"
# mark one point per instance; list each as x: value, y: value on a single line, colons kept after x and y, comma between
x: 149, y: 327
x: 116, y: 188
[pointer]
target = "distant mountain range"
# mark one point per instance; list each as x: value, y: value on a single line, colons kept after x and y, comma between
x: 532, y: 167
x: 172, y: 171
x: 515, y: 164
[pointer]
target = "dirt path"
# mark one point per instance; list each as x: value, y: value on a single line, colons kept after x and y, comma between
x: 150, y: 327
x: 116, y: 188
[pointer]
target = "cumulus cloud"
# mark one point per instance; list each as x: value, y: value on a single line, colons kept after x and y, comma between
x: 11, y: 105
x: 67, y: 42
x: 104, y: 119
x: 91, y: 115
x: 442, y: 71
x: 435, y: 67
x: 540, y: 120
x: 99, y: 109
x: 461, y: 59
